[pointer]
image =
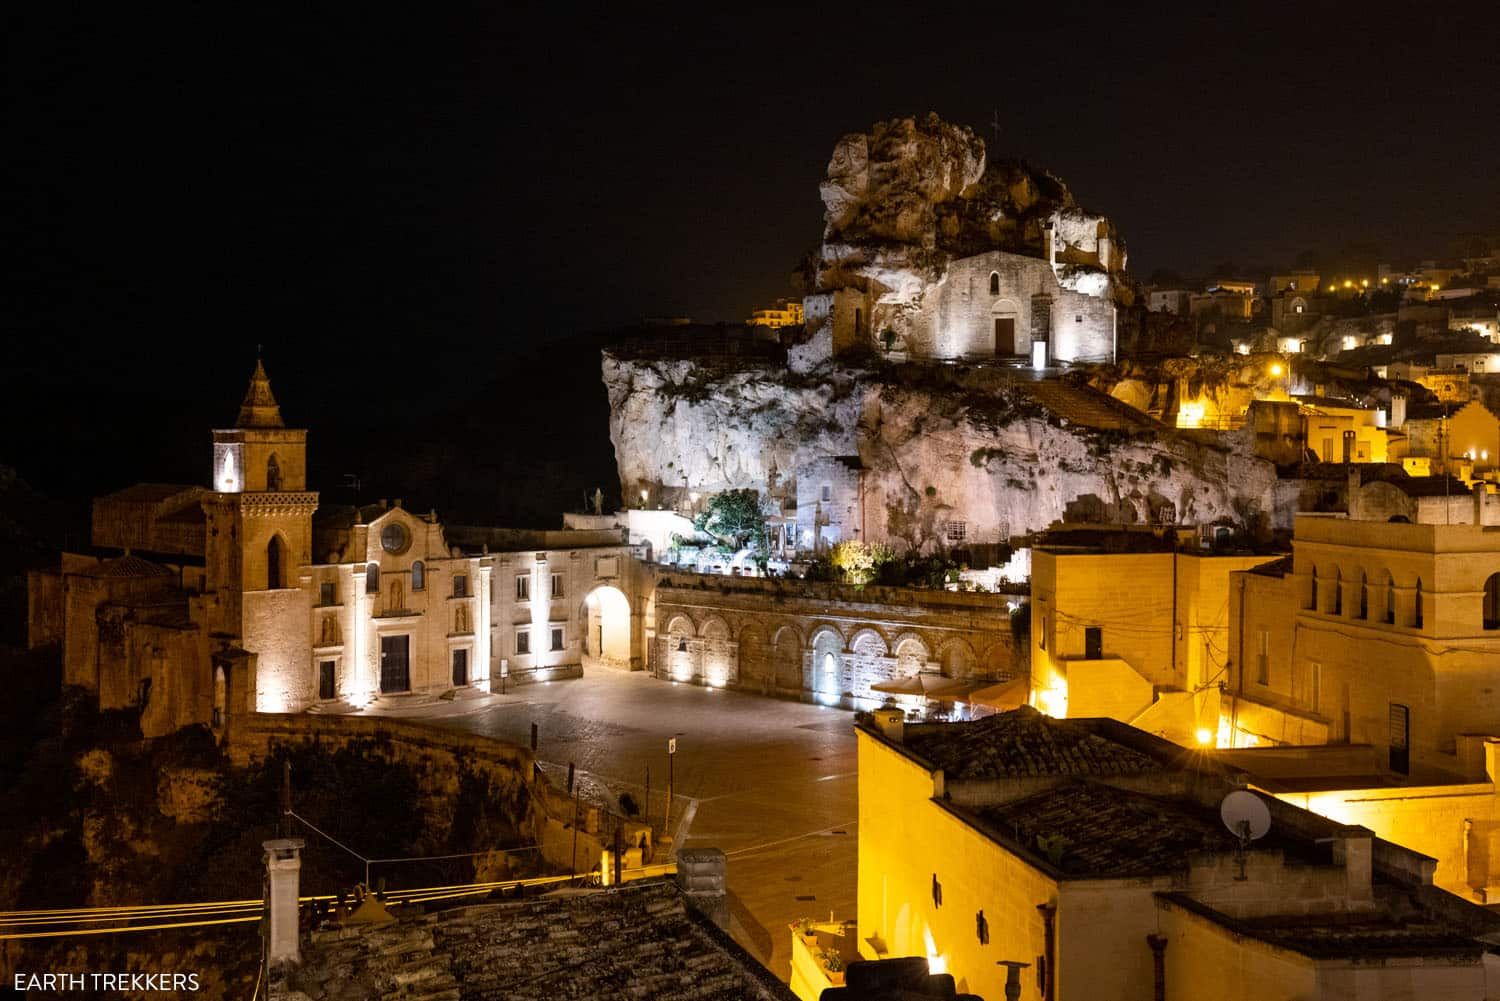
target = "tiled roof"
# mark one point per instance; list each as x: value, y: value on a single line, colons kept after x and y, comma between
x: 1020, y: 743
x: 126, y: 566
x: 637, y: 941
x: 1109, y: 832
x: 1349, y: 936
x: 151, y: 492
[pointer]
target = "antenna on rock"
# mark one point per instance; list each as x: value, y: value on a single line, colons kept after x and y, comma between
x: 1248, y: 819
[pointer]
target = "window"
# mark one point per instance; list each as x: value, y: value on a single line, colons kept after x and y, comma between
x: 557, y: 585
x: 418, y: 576
x: 1364, y: 595
x: 1314, y: 605
x: 937, y: 892
x: 1263, y: 657
x: 956, y: 531
x: 1416, y: 617
x: 460, y: 585
x: 523, y: 642
x: 328, y: 593
x: 523, y: 587
x: 994, y: 283
x: 557, y: 638
x: 273, y: 474
x: 274, y: 554
x: 372, y: 579
x: 1077, y: 317
x: 1492, y: 602
x: 1043, y: 640
x: 326, y: 685
x: 826, y: 494
x: 982, y: 928
x: 1338, y: 592
x: 1390, y: 600
x: 1093, y: 643
x: 682, y: 645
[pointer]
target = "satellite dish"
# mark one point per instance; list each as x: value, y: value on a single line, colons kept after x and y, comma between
x: 1246, y: 816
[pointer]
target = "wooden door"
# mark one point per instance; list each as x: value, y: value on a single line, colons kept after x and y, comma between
x: 1005, y: 335
x: 395, y: 664
x: 460, y: 668
x: 325, y: 679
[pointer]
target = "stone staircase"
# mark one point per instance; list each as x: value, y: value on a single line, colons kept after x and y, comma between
x: 1087, y: 407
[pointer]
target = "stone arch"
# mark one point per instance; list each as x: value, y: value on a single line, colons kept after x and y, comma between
x: 826, y: 669
x: 754, y: 656
x: 867, y: 635
x: 912, y: 654
x: 682, y: 647
x: 997, y: 661
x: 786, y: 658
x: 994, y: 283
x: 956, y: 658
x: 605, y: 610
x: 720, y: 667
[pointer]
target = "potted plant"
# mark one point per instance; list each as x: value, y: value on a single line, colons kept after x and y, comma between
x: 833, y: 965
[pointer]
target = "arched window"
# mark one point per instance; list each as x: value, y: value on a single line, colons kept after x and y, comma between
x: 1416, y: 616
x: 1492, y: 602
x: 1364, y: 595
x: 418, y: 576
x: 1314, y: 605
x: 372, y: 579
x: 1390, y: 599
x: 1338, y: 591
x: 994, y: 283
x: 274, y: 556
x: 273, y: 474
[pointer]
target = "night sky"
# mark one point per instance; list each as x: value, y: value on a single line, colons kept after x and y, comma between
x: 417, y: 210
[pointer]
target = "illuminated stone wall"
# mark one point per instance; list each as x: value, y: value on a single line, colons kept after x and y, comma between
x: 823, y: 641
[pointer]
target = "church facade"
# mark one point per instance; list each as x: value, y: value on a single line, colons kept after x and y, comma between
x: 252, y: 596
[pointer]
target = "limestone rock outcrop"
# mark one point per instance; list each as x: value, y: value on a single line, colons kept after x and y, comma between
x: 935, y: 445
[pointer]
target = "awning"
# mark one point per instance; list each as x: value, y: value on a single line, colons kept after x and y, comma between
x: 1007, y: 695
x: 931, y: 686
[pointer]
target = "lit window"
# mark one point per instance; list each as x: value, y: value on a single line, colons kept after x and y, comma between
x: 523, y: 642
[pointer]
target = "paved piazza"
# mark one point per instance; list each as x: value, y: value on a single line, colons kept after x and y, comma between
x: 770, y: 782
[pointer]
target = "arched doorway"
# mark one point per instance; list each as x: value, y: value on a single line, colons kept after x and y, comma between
x: 681, y: 660
x: 827, y: 665
x: 607, y: 640
x: 719, y: 668
x: 1492, y: 601
x: 786, y: 660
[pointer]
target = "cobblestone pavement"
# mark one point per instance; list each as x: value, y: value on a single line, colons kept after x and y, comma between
x: 770, y: 782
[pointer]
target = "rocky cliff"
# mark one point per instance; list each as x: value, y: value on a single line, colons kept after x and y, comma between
x: 938, y: 444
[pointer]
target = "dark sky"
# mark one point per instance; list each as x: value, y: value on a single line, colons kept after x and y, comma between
x: 394, y: 199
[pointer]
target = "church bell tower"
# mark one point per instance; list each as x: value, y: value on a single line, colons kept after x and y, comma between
x: 259, y: 517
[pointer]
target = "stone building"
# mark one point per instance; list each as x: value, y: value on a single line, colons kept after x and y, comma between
x: 251, y: 597
x: 1098, y: 855
x: 829, y: 642
x: 1374, y: 632
x: 830, y: 502
x: 1133, y: 626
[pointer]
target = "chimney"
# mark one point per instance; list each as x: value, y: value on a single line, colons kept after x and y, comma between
x: 891, y: 723
x: 283, y: 858
x: 1354, y: 849
x: 701, y: 879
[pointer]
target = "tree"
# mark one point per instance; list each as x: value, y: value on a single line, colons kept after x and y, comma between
x: 734, y: 518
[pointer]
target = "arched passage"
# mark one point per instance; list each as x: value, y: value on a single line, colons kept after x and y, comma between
x: 786, y: 659
x: 827, y: 664
x: 607, y: 640
x: 719, y: 668
x: 681, y: 649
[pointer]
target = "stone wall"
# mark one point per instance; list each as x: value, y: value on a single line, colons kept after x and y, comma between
x: 823, y: 641
x: 439, y: 757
